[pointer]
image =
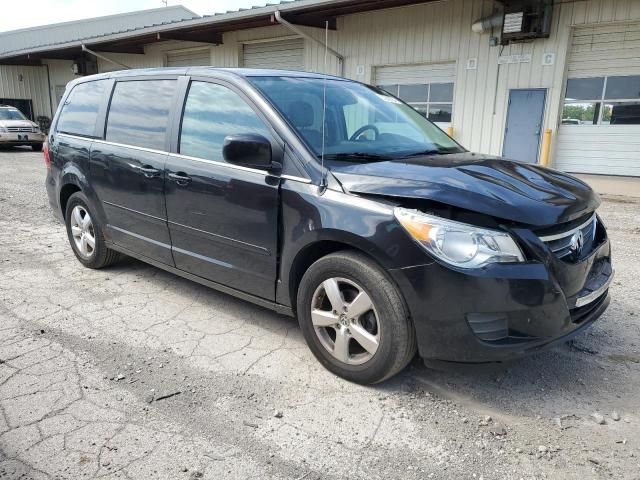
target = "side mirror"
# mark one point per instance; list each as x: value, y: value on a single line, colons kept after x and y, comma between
x: 248, y: 150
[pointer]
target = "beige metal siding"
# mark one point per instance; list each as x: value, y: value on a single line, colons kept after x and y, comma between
x: 189, y: 58
x: 281, y: 54
x: 441, y: 32
x: 416, y: 74
x: 29, y: 83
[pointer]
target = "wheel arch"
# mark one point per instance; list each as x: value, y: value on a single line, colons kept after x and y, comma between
x: 318, y: 249
x: 66, y: 191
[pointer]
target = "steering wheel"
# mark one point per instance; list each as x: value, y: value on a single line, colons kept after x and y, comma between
x: 363, y: 129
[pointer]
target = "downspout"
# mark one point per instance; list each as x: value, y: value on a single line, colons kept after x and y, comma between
x: 106, y: 59
x: 305, y: 35
x: 50, y: 96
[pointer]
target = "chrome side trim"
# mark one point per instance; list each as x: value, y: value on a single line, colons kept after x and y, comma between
x: 75, y: 137
x: 295, y: 179
x: 221, y: 164
x: 590, y: 297
x: 187, y: 157
x: 566, y: 234
x: 133, y: 147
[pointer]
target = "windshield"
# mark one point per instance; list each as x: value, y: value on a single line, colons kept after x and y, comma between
x: 11, y: 114
x: 362, y: 123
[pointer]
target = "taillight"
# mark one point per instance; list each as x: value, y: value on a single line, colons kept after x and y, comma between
x: 47, y: 158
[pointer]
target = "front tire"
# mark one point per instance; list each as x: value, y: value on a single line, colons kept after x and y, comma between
x: 85, y: 234
x: 354, y: 319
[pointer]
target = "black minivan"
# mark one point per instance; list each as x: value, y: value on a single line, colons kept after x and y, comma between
x: 333, y: 201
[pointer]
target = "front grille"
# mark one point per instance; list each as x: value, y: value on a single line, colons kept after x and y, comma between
x: 573, y: 243
x: 20, y: 129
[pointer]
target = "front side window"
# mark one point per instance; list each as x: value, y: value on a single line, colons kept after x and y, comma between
x: 362, y: 123
x: 80, y: 111
x: 212, y: 112
x: 139, y: 113
x: 613, y: 100
x: 433, y: 100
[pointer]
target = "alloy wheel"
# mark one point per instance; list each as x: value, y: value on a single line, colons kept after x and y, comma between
x: 82, y: 231
x: 345, y: 321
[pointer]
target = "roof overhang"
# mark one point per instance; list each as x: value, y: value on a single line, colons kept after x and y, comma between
x: 209, y: 29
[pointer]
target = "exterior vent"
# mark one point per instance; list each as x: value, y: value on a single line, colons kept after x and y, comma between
x: 489, y: 327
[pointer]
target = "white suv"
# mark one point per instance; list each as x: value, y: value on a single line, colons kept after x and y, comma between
x: 16, y: 129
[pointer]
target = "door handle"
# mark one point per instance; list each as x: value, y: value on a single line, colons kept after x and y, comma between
x: 149, y: 171
x: 180, y: 178
x: 146, y: 170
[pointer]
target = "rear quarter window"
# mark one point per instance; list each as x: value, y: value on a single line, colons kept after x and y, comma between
x: 80, y: 111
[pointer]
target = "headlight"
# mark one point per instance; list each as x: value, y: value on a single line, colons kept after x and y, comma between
x: 3, y: 130
x: 35, y: 129
x: 459, y: 244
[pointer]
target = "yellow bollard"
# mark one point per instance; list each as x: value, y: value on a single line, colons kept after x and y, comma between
x: 450, y: 131
x: 545, y: 159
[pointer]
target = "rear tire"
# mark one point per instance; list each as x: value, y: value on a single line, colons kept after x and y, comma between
x: 85, y: 234
x: 346, y: 298
x: 36, y: 147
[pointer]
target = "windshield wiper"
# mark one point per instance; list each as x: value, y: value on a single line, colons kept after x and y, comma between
x: 375, y: 157
x: 433, y: 151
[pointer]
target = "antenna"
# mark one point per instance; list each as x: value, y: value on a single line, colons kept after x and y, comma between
x: 323, y: 184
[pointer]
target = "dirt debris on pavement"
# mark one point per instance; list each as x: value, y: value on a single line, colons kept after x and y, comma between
x: 133, y: 373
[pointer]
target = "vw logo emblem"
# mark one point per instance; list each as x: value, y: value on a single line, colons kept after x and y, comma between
x: 576, y: 243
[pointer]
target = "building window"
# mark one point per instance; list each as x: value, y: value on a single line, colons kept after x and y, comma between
x: 613, y: 100
x: 433, y: 100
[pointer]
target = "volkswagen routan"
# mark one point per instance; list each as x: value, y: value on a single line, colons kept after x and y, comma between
x: 331, y: 201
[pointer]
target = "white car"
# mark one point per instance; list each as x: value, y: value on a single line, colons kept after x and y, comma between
x: 16, y: 129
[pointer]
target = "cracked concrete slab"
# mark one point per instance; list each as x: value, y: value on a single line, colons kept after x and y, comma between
x: 131, y: 372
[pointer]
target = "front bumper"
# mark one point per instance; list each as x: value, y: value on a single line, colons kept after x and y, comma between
x: 21, y: 138
x: 505, y: 310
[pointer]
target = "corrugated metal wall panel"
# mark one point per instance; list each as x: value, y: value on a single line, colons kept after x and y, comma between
x: 281, y: 54
x: 60, y: 73
x: 29, y: 83
x: 431, y: 73
x: 189, y: 58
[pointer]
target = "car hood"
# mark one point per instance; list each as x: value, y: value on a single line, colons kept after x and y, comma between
x: 17, y: 123
x: 500, y: 188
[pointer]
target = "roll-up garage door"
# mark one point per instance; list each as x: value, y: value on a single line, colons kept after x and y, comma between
x: 600, y: 128
x: 416, y: 74
x: 189, y: 58
x: 282, y: 54
x: 426, y: 87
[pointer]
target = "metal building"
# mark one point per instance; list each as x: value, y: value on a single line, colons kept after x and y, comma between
x: 568, y: 68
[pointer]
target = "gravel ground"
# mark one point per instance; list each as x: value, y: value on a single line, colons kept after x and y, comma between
x: 134, y: 373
